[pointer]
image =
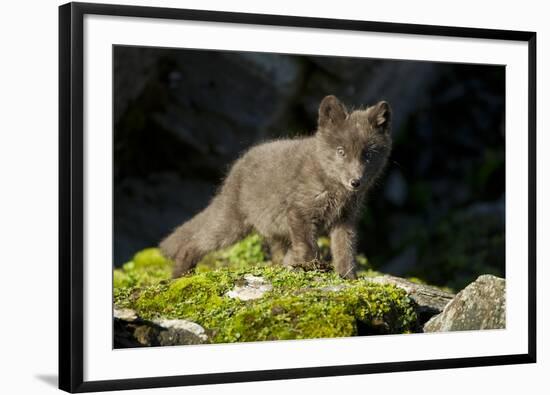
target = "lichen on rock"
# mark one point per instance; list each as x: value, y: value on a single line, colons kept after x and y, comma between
x: 481, y: 305
x: 253, y: 288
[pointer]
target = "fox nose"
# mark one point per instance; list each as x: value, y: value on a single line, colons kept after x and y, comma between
x: 355, y: 182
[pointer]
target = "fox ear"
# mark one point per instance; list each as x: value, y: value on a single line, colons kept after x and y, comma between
x: 331, y: 112
x: 379, y: 116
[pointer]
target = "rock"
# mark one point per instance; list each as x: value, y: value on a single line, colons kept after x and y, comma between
x: 261, y: 302
x: 146, y: 210
x: 217, y: 117
x: 133, y: 331
x: 429, y: 300
x: 133, y: 67
x: 180, y: 332
x: 145, y: 335
x: 364, y: 82
x: 125, y: 328
x: 481, y: 305
x: 254, y: 288
x: 125, y: 314
x: 129, y: 332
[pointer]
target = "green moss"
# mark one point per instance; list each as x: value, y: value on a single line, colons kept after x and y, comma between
x: 191, y: 297
x: 416, y: 280
x: 147, y: 267
x: 301, y: 305
x: 369, y: 273
x: 282, y: 317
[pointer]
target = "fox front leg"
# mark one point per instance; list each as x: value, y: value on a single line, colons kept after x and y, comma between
x: 342, y: 245
x: 303, y: 249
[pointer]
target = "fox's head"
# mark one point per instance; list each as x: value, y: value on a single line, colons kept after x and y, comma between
x: 353, y: 148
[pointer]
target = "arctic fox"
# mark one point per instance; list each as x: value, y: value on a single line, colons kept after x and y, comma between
x: 293, y: 190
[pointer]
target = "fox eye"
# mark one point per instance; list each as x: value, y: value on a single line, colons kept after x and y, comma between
x: 368, y: 154
x: 341, y: 151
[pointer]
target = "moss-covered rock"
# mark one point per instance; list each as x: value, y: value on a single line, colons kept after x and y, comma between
x: 147, y: 267
x: 298, y: 305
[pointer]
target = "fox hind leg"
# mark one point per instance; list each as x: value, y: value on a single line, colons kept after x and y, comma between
x: 278, y: 249
x: 208, y: 231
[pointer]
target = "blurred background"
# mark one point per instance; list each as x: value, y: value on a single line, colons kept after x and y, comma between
x: 181, y: 117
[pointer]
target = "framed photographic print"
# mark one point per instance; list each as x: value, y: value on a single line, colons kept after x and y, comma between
x: 250, y: 197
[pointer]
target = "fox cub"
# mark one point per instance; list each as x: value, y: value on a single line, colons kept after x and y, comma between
x: 290, y: 191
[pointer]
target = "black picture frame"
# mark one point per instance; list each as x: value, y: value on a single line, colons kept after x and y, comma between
x: 71, y: 197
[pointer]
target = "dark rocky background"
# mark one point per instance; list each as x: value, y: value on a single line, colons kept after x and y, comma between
x: 183, y: 116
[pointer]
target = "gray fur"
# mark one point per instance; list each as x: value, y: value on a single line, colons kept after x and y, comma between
x: 291, y: 191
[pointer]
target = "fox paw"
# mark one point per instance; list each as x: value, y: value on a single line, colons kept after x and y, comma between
x: 314, y: 264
